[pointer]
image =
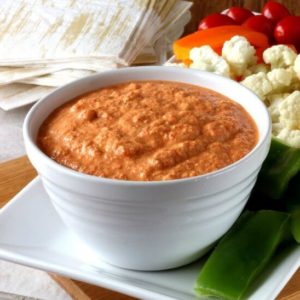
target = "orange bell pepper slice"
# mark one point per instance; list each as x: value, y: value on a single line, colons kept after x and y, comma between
x: 216, y: 37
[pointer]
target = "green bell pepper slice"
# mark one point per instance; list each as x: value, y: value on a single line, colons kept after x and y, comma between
x: 292, y: 199
x: 242, y: 254
x: 280, y: 166
x: 295, y: 224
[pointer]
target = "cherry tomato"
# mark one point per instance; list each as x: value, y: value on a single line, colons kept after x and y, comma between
x: 287, y: 31
x: 260, y: 24
x: 259, y: 54
x: 275, y: 11
x: 215, y: 20
x: 239, y: 14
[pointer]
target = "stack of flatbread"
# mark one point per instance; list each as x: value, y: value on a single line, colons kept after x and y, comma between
x: 47, y: 43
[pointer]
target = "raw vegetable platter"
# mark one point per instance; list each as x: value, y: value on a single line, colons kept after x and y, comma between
x: 261, y: 51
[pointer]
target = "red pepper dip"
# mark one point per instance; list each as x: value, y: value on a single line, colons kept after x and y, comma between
x: 148, y: 130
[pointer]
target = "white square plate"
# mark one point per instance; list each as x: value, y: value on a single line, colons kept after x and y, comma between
x: 31, y: 233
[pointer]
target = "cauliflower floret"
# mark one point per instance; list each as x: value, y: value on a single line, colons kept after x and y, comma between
x: 295, y: 84
x: 239, y: 54
x: 297, y: 66
x: 289, y: 110
x: 280, y: 78
x: 274, y: 102
x: 259, y: 84
x: 290, y: 137
x: 256, y: 69
x: 279, y: 56
x: 206, y: 59
x: 179, y: 65
x: 276, y: 128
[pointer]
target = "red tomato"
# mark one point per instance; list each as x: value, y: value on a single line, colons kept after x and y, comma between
x: 239, y: 14
x: 259, y: 54
x: 260, y: 24
x: 215, y: 20
x: 287, y: 31
x: 275, y: 11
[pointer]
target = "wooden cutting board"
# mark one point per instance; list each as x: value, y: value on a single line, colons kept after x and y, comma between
x: 15, y: 174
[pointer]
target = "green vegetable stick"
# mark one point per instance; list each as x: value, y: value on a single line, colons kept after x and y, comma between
x: 292, y: 199
x: 242, y: 254
x: 280, y: 166
x: 295, y: 224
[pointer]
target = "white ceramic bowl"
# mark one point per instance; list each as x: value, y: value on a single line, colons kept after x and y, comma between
x: 149, y: 225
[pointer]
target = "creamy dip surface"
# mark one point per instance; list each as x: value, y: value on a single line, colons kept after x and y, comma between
x: 148, y: 130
